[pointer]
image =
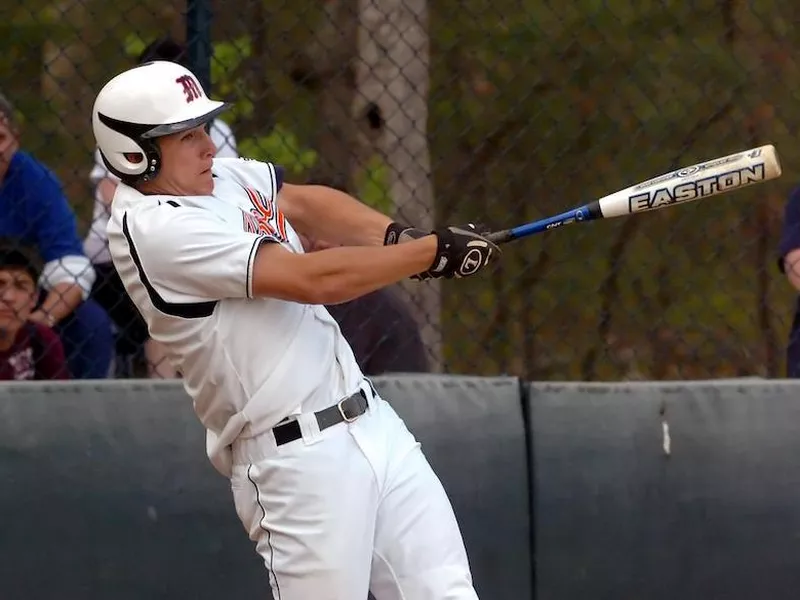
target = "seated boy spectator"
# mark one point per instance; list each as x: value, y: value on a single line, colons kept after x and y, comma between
x: 28, y: 351
x: 34, y: 209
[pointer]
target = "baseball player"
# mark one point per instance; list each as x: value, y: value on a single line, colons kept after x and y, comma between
x: 330, y: 485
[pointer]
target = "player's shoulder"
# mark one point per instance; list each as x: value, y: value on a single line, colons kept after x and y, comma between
x: 152, y: 214
x: 249, y: 171
x: 162, y: 211
x: 163, y: 226
x: 240, y: 165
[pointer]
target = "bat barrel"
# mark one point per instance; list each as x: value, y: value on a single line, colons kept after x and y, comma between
x: 696, y: 182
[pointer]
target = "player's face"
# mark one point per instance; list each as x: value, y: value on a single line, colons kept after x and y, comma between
x: 17, y: 298
x: 186, y: 160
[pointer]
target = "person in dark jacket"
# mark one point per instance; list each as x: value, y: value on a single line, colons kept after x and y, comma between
x: 789, y: 265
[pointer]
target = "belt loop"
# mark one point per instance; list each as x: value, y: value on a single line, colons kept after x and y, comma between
x: 369, y: 391
x: 309, y: 427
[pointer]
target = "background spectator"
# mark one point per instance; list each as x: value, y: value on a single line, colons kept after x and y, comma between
x: 789, y: 264
x: 28, y: 350
x: 378, y: 326
x: 34, y: 209
x: 132, y: 335
x: 382, y: 332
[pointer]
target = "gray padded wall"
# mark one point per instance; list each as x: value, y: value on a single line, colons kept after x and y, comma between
x: 472, y: 431
x: 618, y: 517
x: 105, y: 491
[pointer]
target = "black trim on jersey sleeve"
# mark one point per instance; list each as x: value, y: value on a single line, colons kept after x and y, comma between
x: 278, y: 178
x: 251, y: 261
x: 192, y: 310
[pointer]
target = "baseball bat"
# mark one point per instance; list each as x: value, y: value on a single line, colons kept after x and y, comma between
x: 696, y: 182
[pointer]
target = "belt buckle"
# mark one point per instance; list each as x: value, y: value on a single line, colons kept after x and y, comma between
x: 341, y: 411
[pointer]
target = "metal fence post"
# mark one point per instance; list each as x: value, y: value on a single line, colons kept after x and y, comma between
x: 198, y: 40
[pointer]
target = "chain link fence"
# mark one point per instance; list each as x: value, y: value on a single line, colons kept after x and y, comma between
x: 450, y: 112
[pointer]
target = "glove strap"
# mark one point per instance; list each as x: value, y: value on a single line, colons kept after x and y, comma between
x: 393, y: 231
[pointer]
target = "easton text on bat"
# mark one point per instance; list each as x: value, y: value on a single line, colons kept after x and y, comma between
x: 693, y: 190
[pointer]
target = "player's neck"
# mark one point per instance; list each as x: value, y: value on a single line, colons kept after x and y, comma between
x: 149, y: 188
x: 153, y: 188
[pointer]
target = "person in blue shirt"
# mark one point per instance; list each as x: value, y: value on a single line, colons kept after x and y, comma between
x: 34, y: 209
x: 789, y: 265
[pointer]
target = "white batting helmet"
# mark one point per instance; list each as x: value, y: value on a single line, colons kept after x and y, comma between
x: 143, y: 103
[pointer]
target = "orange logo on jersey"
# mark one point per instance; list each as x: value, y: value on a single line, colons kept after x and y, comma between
x: 264, y: 217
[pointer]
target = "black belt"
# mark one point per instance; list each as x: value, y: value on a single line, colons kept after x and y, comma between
x: 347, y: 410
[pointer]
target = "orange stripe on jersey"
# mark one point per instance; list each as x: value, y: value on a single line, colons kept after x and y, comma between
x: 282, y: 225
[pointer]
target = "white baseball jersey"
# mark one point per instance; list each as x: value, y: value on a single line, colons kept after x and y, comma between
x: 187, y: 264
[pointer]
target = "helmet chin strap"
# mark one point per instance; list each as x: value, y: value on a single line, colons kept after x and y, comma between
x: 152, y: 154
x: 151, y: 171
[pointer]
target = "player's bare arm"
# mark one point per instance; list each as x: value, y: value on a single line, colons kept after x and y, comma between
x: 325, y: 213
x: 340, y: 274
x: 791, y: 264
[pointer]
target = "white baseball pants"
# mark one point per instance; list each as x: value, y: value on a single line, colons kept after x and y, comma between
x: 353, y: 508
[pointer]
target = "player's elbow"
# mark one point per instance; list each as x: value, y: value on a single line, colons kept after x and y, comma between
x: 332, y: 290
x: 302, y: 278
x: 311, y: 290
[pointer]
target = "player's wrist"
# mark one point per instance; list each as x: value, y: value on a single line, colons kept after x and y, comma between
x: 461, y: 252
x: 397, y: 233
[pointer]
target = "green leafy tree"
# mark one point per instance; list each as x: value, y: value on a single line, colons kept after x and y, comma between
x: 281, y: 145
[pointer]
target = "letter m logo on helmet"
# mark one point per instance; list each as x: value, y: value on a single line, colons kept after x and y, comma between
x: 191, y: 88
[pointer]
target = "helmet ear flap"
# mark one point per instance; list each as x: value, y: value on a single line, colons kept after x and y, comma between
x: 129, y: 142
